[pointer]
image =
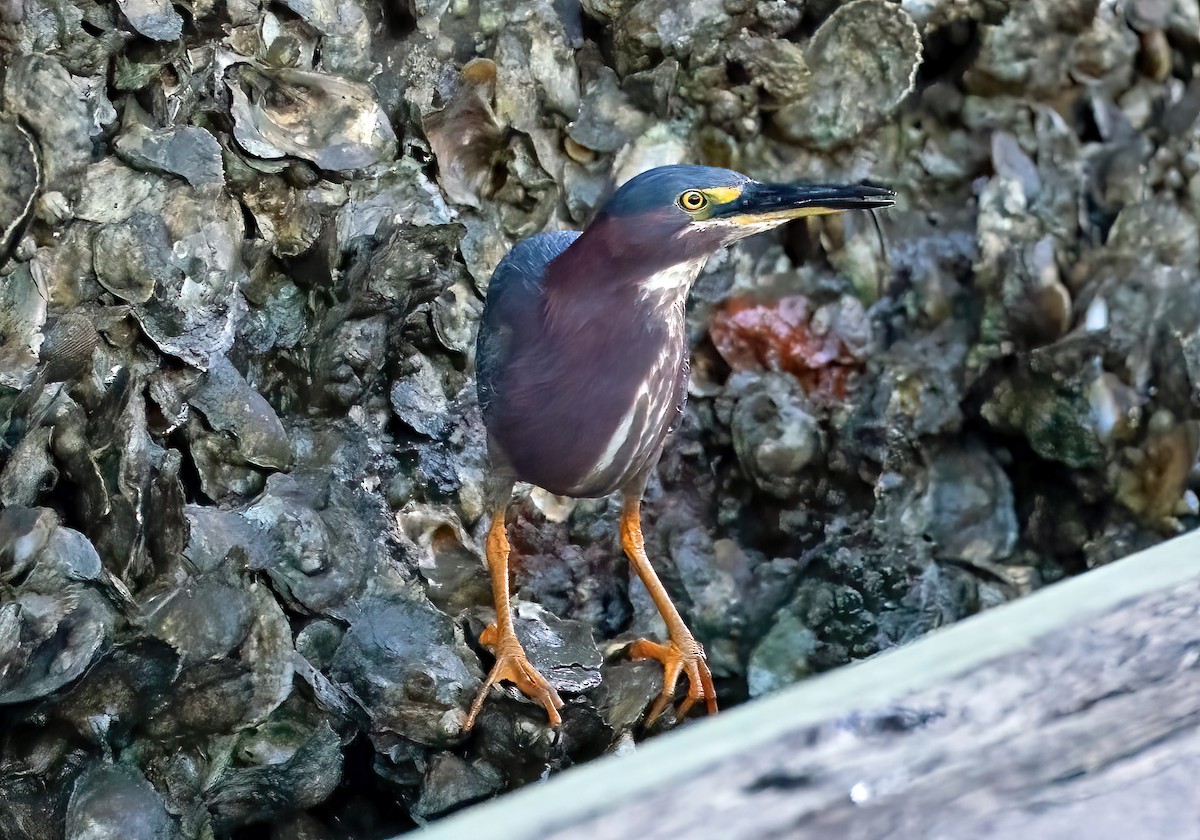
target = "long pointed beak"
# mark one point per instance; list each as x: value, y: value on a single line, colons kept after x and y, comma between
x: 764, y: 203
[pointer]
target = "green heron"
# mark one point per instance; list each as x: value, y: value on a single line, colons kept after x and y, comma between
x: 582, y: 366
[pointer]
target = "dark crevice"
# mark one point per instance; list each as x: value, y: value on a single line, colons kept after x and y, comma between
x: 782, y: 780
x: 398, y: 20
x: 948, y: 52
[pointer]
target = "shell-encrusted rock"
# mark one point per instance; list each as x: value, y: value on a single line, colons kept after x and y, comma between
x: 244, y: 479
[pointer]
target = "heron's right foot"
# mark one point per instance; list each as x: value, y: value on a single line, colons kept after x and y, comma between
x: 679, y: 657
x: 513, y: 666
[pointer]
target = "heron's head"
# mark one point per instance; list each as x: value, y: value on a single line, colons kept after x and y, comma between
x: 688, y: 212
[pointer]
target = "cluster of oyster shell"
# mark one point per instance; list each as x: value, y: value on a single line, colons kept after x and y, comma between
x: 243, y: 250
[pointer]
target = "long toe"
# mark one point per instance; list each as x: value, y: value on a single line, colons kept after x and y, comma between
x: 700, y: 687
x: 678, y: 659
x: 516, y: 669
x: 536, y: 687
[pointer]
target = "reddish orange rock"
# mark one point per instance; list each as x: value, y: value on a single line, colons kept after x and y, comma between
x: 778, y: 335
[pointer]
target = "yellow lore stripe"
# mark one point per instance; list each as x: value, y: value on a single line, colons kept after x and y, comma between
x: 723, y: 195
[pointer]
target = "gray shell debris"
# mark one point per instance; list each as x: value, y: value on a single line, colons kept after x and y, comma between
x: 243, y: 253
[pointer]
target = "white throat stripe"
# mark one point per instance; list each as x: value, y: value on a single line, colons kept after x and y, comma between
x: 676, y: 278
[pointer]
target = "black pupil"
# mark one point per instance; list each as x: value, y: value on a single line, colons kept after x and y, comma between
x: 693, y: 200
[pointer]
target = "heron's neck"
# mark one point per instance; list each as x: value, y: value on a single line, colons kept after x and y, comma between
x: 616, y: 256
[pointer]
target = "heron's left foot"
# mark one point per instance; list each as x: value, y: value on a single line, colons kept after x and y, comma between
x: 678, y: 657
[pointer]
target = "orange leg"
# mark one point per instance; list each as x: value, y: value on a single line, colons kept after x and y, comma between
x: 682, y: 654
x: 511, y: 662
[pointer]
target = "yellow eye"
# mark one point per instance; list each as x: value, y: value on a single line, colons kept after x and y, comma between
x: 693, y: 200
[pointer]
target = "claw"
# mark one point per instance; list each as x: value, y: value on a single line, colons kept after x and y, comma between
x: 513, y: 666
x: 678, y: 658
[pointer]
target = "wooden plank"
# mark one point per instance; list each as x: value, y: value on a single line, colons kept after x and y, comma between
x: 1074, y: 707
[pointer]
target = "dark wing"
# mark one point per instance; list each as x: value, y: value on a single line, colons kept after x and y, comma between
x: 513, y: 301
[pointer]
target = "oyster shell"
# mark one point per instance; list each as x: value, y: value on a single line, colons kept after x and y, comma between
x: 187, y: 151
x: 38, y: 90
x: 53, y: 621
x: 22, y: 314
x: 853, y: 90
x: 332, y: 122
x: 117, y: 802
x: 20, y: 174
x: 155, y: 19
